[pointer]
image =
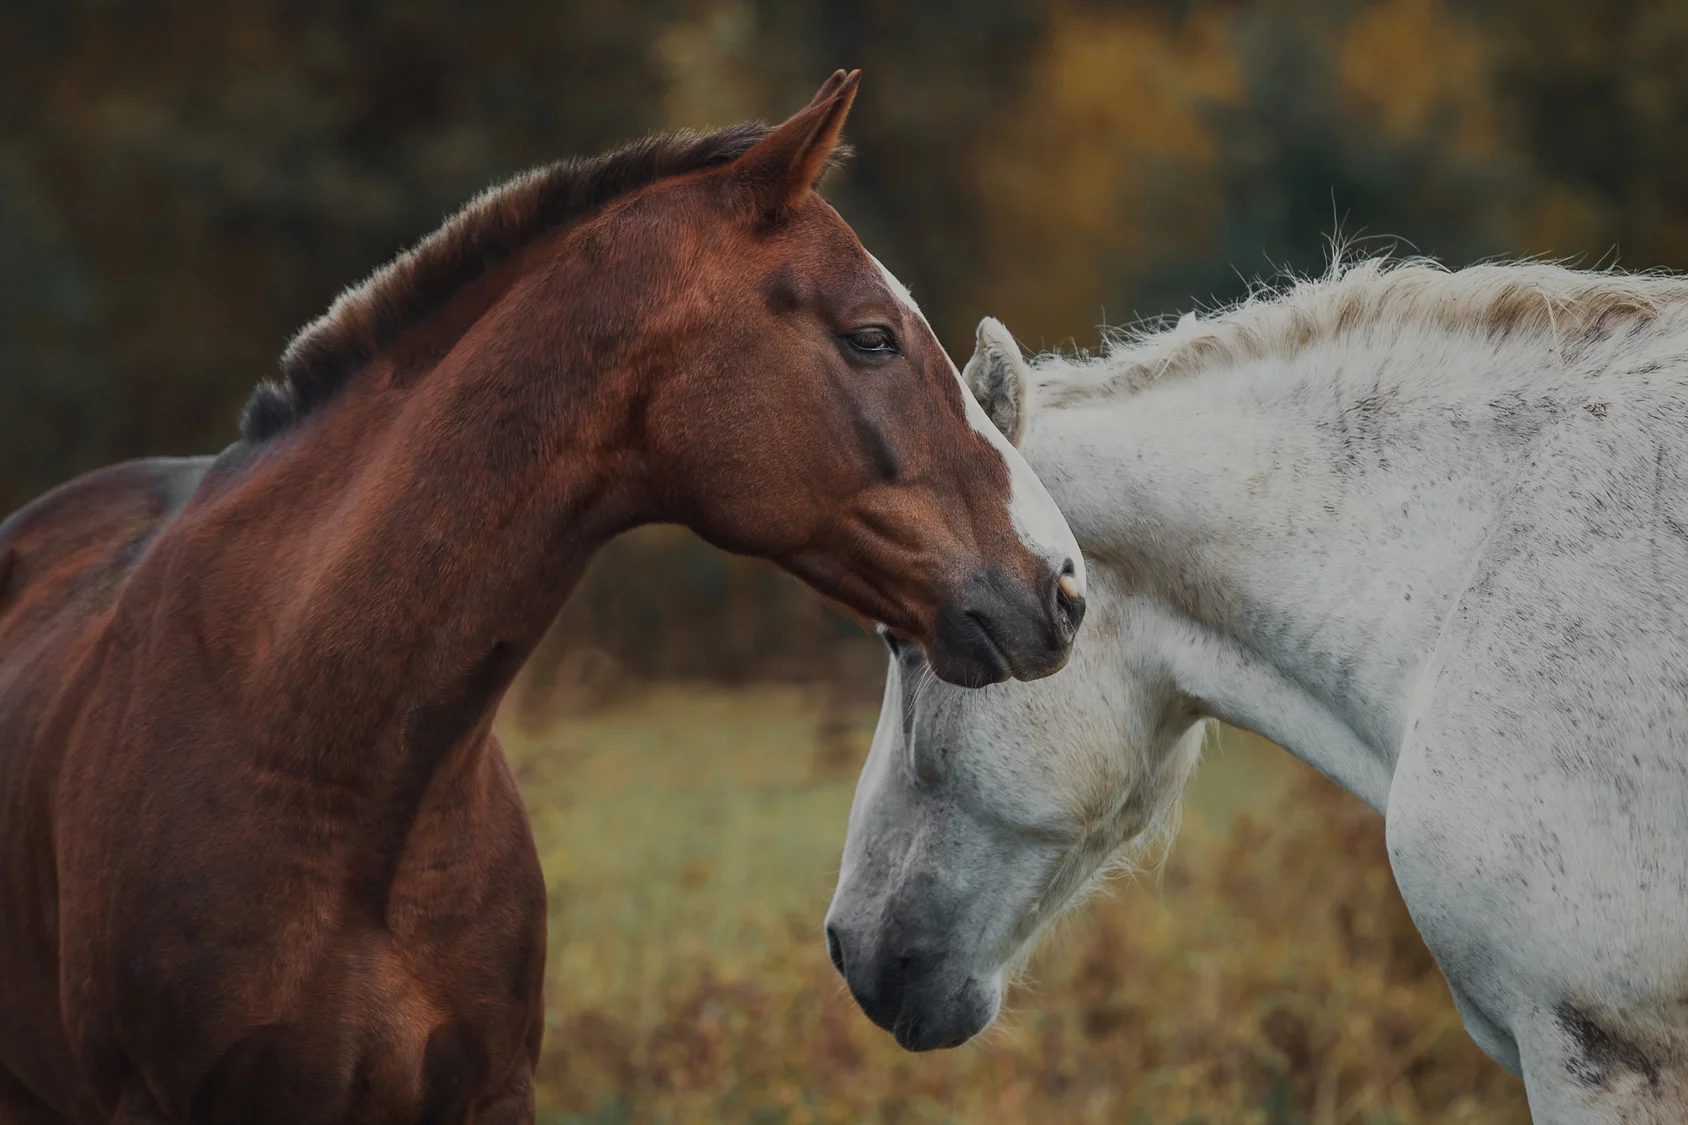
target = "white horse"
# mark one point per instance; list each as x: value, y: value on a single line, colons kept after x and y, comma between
x: 1426, y: 530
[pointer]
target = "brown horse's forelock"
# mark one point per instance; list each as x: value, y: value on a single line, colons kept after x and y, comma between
x: 370, y: 317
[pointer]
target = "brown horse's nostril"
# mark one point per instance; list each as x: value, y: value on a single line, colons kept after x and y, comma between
x: 1069, y: 603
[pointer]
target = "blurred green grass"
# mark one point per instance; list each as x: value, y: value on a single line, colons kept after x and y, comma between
x: 690, y: 837
x: 684, y: 824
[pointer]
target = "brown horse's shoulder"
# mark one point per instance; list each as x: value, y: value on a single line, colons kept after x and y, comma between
x: 91, y: 529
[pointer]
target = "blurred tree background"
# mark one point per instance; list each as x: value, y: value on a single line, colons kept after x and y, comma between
x: 182, y: 185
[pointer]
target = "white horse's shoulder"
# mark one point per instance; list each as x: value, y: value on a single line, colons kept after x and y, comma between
x: 1544, y: 773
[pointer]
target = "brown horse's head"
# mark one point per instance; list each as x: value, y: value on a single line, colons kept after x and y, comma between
x: 814, y: 419
x: 685, y: 331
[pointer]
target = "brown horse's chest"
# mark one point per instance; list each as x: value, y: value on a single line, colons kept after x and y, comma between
x: 385, y: 1040
x: 280, y: 984
x: 436, y: 1003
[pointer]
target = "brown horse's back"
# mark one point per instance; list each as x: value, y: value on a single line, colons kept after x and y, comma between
x: 63, y: 562
x: 88, y: 530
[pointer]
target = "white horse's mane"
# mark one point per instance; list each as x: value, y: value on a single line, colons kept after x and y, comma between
x: 1572, y: 308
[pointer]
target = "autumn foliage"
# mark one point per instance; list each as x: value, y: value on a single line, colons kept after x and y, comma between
x: 1267, y: 974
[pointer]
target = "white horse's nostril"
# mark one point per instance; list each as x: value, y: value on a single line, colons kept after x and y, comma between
x: 835, y: 949
x: 1068, y: 585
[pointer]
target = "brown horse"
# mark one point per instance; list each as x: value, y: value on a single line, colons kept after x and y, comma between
x: 261, y: 858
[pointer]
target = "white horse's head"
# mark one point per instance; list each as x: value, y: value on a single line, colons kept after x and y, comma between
x: 981, y: 814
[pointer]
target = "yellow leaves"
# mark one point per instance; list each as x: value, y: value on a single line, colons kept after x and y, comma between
x: 1148, y: 148
x: 1417, y: 70
x: 1134, y: 82
x: 706, y: 64
x: 1106, y: 163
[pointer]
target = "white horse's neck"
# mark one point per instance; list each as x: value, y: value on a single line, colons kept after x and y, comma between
x: 1292, y: 532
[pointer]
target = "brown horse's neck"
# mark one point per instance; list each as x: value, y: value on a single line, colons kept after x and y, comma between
x: 372, y: 580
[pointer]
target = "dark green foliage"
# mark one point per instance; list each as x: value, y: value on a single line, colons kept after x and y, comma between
x: 184, y: 185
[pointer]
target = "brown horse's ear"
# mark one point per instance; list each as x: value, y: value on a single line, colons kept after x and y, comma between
x: 781, y: 170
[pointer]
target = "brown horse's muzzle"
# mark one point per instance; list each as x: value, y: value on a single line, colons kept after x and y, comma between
x: 995, y: 627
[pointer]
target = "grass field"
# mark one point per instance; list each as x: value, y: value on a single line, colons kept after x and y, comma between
x: 1269, y: 975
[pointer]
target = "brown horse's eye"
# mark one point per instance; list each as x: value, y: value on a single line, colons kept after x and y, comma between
x: 873, y: 341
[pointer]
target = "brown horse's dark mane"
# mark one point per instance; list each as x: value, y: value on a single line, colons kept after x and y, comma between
x: 370, y: 317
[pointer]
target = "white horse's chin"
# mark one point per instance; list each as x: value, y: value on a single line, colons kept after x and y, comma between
x: 960, y: 1017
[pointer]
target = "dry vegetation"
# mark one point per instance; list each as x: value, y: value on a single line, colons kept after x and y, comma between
x: 184, y: 185
x: 1269, y: 975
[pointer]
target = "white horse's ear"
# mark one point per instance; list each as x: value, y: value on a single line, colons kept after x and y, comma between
x: 998, y: 377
